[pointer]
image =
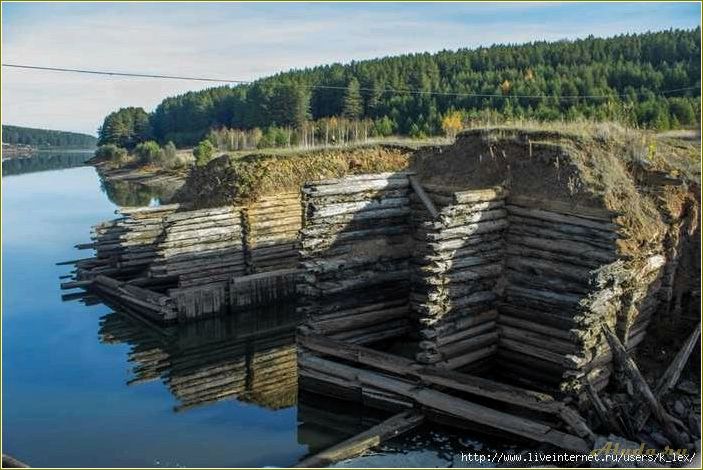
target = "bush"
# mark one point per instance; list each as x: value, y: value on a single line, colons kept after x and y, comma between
x: 148, y: 153
x: 111, y: 152
x: 383, y: 127
x: 204, y: 152
x: 682, y: 111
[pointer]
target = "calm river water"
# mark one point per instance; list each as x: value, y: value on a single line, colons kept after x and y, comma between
x: 85, y: 386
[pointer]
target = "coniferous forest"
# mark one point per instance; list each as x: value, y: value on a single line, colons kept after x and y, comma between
x: 45, y: 138
x: 649, y: 80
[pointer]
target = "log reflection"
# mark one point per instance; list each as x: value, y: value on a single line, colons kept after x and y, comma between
x: 249, y: 356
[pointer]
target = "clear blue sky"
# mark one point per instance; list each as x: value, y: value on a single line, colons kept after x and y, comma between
x: 250, y: 40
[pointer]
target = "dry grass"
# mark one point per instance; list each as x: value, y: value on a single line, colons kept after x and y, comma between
x: 243, y: 178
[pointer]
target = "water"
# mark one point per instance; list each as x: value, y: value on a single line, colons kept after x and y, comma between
x: 65, y: 398
x: 86, y: 386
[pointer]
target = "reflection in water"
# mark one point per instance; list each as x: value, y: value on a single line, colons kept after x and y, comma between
x: 45, y: 161
x: 249, y: 356
x: 127, y: 193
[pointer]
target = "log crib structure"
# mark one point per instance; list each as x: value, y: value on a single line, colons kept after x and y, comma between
x: 458, y: 295
x: 172, y: 264
x: 482, y: 287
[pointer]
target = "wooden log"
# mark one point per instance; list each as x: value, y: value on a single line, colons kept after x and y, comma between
x: 359, y: 320
x: 669, y: 378
x: 481, y: 227
x: 574, y: 209
x: 673, y: 372
x: 453, y: 329
x: 563, y: 247
x: 550, y: 216
x: 536, y: 326
x: 605, y: 415
x: 451, y: 405
x: 630, y: 368
x: 76, y: 284
x: 451, y: 212
x: 357, y: 445
x: 429, y: 205
x: 397, y: 175
x: 544, y: 253
x: 597, y: 234
x: 355, y: 187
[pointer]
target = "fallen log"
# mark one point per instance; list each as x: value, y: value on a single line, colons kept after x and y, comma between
x: 630, y: 368
x: 392, y: 427
x: 670, y: 376
x: 448, y: 379
x: 605, y: 415
x: 448, y: 404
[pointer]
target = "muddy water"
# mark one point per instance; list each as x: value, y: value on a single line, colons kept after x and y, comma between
x: 88, y: 386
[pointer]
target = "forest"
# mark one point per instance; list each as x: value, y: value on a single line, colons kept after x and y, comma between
x: 649, y: 80
x: 45, y: 138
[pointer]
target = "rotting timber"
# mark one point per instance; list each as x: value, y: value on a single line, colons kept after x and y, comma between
x: 475, y: 285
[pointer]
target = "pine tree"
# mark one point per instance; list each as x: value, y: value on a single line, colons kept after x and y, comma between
x: 353, y: 107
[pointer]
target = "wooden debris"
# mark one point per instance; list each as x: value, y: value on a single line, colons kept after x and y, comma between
x: 630, y: 368
x: 670, y: 376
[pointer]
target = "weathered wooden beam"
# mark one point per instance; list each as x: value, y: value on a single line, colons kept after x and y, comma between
x: 420, y: 191
x: 448, y: 379
x: 604, y: 414
x: 390, y: 428
x: 670, y: 376
x: 449, y: 405
x: 630, y: 368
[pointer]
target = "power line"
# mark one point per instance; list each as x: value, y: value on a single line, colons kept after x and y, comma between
x: 333, y: 87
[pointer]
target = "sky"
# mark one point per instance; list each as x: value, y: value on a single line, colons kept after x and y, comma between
x: 245, y: 41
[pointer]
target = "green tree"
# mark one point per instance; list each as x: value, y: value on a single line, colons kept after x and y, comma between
x: 111, y: 152
x: 682, y: 110
x: 353, y: 104
x: 204, y: 152
x: 148, y: 153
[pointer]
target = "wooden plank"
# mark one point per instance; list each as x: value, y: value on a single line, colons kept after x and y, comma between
x: 447, y: 378
x: 390, y: 428
x: 450, y: 405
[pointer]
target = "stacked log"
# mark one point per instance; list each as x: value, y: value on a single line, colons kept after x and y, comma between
x: 271, y: 226
x: 458, y: 263
x: 355, y: 247
x: 124, y: 247
x: 152, y: 305
x: 394, y: 383
x: 200, y: 247
x: 557, y: 294
x: 200, y: 251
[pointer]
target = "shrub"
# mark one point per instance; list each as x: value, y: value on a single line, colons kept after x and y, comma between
x: 204, y: 152
x: 148, y: 153
x: 111, y: 152
x: 383, y: 127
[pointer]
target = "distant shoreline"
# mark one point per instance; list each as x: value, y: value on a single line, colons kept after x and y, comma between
x: 11, y: 151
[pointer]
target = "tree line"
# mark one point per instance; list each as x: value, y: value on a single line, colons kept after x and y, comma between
x: 45, y: 138
x: 647, y: 80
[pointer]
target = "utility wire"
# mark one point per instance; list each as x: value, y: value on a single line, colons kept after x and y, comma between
x: 332, y: 87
